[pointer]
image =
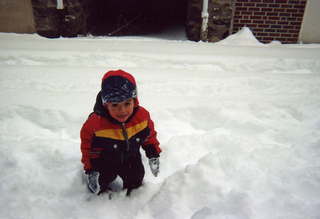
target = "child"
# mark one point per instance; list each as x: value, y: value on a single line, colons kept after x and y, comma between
x: 112, y: 135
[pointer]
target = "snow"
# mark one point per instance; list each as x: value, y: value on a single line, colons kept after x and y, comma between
x: 238, y: 123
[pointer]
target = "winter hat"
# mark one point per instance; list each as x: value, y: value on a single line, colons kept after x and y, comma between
x: 117, y: 86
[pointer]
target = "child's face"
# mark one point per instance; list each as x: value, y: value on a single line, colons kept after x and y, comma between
x: 121, y: 111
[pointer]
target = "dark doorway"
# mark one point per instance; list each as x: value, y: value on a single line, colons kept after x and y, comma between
x: 135, y: 17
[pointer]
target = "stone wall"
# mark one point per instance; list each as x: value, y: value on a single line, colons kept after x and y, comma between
x: 194, y: 20
x: 219, y: 22
x: 220, y: 18
x: 52, y: 22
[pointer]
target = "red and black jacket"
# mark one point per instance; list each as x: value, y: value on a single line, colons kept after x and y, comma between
x: 106, y: 138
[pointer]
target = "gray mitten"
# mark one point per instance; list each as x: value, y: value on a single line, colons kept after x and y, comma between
x: 154, y: 164
x: 93, y: 181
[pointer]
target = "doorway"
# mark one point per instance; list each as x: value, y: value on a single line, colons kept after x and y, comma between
x: 136, y: 17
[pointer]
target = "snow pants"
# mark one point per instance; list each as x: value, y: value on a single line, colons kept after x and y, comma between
x: 130, y: 169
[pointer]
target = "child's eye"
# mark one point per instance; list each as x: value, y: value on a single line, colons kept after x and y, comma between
x: 114, y: 105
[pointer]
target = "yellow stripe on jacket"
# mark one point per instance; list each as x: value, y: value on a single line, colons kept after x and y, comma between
x: 117, y: 134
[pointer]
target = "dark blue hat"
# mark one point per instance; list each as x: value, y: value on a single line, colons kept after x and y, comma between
x: 115, y: 89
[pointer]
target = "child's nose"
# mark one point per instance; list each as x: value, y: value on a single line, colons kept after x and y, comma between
x: 122, y: 109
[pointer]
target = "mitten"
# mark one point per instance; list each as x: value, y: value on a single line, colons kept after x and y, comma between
x: 154, y: 164
x: 93, y: 181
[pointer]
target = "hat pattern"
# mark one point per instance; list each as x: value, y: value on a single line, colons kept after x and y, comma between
x: 115, y: 89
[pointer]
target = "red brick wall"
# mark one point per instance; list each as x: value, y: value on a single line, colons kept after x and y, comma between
x: 270, y: 19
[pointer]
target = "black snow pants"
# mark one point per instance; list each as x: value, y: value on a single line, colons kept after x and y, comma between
x: 129, y: 168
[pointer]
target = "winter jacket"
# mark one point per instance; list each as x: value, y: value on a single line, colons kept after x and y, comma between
x: 103, y: 137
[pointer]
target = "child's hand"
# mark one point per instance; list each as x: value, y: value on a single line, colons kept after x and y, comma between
x: 154, y: 164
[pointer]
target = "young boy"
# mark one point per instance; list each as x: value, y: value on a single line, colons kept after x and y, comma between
x: 112, y: 135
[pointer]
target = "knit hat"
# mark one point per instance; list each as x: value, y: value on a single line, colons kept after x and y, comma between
x: 117, y: 86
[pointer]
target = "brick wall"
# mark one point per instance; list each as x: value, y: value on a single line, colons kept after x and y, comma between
x: 270, y: 19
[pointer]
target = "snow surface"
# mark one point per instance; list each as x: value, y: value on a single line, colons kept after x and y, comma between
x: 238, y: 123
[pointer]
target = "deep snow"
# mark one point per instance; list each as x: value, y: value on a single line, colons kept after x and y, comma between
x: 238, y: 123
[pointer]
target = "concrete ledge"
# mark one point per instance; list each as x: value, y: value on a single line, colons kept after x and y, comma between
x: 16, y: 16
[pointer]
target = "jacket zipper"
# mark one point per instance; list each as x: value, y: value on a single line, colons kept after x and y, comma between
x: 125, y: 134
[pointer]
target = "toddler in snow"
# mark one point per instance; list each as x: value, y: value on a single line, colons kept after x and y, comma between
x: 112, y: 135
